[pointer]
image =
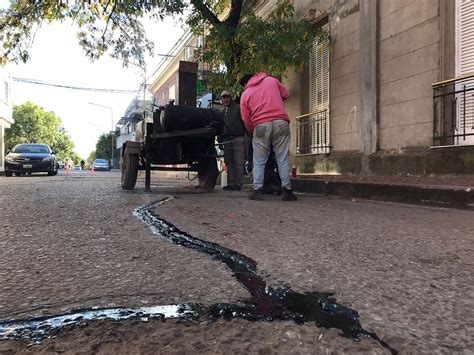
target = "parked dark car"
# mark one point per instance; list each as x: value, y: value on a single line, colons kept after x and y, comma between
x: 30, y: 158
x: 101, y: 164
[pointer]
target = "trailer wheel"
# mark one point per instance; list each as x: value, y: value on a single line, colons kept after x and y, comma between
x: 129, y: 171
x: 207, y: 173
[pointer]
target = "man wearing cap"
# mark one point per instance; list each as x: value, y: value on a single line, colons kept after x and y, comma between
x: 233, y: 141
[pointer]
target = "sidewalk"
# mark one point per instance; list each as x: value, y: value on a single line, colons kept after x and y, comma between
x: 445, y: 191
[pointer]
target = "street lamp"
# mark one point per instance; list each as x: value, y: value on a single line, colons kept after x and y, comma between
x: 111, y: 131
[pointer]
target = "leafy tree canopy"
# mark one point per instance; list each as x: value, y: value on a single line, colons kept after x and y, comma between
x: 91, y: 157
x: 237, y: 41
x: 103, y: 147
x: 34, y: 125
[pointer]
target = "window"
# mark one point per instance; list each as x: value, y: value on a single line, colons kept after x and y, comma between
x: 313, y: 128
x: 464, y: 66
x: 172, y: 92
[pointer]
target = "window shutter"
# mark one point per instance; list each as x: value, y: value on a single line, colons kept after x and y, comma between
x: 319, y: 97
x: 319, y: 76
x: 464, y: 66
x: 465, y: 37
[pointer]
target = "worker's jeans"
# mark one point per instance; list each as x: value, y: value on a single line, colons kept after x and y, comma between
x: 276, y: 135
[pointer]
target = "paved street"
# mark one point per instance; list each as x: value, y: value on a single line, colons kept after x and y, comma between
x: 72, y: 243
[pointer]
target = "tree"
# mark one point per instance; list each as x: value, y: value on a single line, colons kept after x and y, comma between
x: 34, y: 125
x: 92, y: 156
x: 103, y: 149
x: 76, y: 158
x: 239, y: 43
x: 246, y: 43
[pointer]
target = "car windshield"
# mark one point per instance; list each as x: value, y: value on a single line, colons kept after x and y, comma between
x: 100, y: 161
x: 42, y: 149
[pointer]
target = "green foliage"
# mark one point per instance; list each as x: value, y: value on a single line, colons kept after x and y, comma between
x: 76, y: 158
x: 103, y: 149
x: 34, y: 125
x: 92, y: 157
x: 104, y: 25
x: 273, y: 44
x: 238, y: 44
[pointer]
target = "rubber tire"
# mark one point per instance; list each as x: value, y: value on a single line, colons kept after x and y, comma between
x: 207, y: 174
x: 8, y: 173
x: 129, y: 171
x: 17, y: 174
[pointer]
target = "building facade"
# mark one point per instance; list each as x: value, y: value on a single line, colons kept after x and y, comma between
x: 391, y: 92
x: 6, y: 119
x: 175, y: 78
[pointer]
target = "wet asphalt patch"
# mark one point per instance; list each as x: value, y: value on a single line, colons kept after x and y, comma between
x: 265, y: 304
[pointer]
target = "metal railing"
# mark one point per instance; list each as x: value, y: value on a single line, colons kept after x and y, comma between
x: 453, y: 111
x: 313, y: 133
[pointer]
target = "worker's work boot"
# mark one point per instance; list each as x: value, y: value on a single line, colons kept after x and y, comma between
x: 288, y: 195
x: 256, y: 195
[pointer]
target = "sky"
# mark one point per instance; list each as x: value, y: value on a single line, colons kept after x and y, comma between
x: 56, y: 57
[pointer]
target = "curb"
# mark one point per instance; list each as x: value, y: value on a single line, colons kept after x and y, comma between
x: 420, y: 195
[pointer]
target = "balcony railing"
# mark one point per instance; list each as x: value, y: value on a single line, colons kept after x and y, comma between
x: 453, y: 111
x: 313, y: 133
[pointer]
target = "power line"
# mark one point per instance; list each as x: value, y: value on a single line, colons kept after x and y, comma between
x: 82, y: 88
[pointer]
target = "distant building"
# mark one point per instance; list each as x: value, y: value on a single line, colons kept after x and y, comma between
x: 136, y: 112
x: 6, y: 119
x: 180, y: 76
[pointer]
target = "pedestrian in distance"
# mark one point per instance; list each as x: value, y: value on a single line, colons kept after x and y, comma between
x: 68, y: 166
x: 265, y: 117
x: 83, y: 164
x: 233, y: 140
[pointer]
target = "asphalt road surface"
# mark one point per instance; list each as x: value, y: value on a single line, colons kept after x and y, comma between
x: 69, y: 243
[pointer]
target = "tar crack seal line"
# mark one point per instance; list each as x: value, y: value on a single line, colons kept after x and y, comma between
x: 266, y: 303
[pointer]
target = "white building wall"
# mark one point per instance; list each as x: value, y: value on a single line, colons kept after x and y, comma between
x: 6, y: 118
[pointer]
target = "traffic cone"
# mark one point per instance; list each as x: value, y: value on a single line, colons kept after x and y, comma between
x: 92, y: 169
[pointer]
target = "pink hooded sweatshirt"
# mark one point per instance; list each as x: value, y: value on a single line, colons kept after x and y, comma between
x: 262, y: 101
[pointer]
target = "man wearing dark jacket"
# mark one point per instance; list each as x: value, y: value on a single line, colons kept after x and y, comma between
x: 233, y: 141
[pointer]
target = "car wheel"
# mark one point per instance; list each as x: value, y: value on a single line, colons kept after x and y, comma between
x: 17, y: 174
x: 8, y: 173
x: 129, y: 171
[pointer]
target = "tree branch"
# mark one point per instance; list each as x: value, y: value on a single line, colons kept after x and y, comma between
x: 235, y: 12
x: 108, y: 19
x: 206, y: 12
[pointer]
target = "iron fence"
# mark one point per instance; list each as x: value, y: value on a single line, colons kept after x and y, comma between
x: 313, y: 133
x: 453, y: 111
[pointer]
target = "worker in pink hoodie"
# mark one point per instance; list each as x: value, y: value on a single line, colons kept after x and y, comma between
x: 265, y: 117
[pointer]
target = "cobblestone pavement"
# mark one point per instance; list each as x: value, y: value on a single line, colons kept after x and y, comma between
x: 68, y: 243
